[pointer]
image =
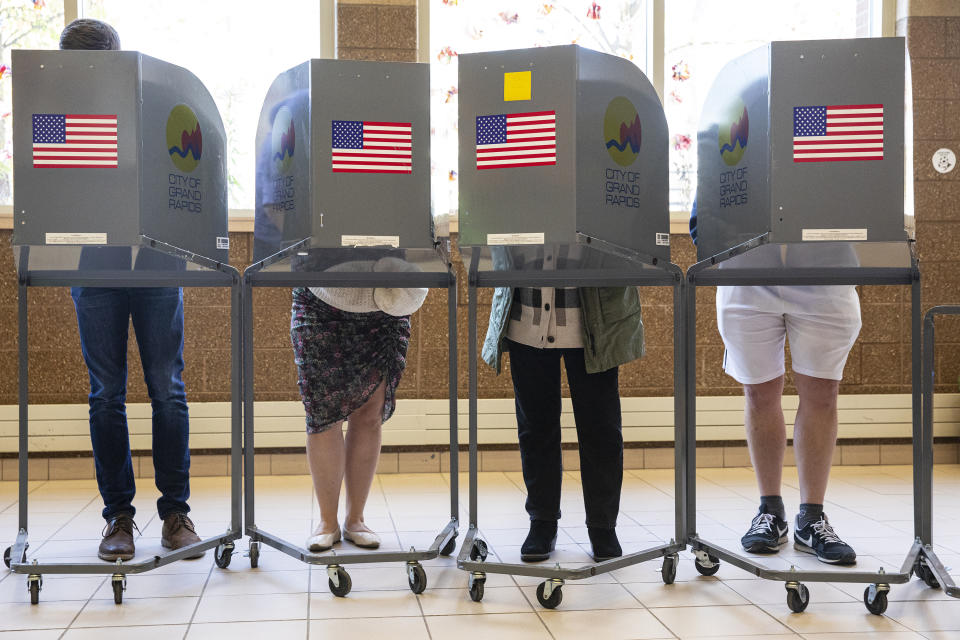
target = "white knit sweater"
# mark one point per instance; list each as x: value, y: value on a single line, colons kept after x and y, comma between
x: 395, y: 301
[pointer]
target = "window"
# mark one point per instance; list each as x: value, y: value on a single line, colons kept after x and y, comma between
x: 24, y: 24
x: 614, y: 26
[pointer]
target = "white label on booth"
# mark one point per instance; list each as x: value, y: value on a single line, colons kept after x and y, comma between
x: 663, y: 239
x: 370, y: 241
x: 76, y: 238
x: 515, y: 238
x: 944, y: 160
x: 223, y: 243
x: 847, y: 235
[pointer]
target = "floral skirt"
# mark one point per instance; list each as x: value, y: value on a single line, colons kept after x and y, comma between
x: 342, y: 358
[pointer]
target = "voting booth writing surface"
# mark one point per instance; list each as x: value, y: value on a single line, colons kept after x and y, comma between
x: 802, y: 144
x: 119, y: 163
x: 343, y: 166
x: 561, y: 144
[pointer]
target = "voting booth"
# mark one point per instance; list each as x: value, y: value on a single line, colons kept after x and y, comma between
x: 558, y: 144
x: 803, y: 142
x: 116, y: 149
x: 343, y: 188
x: 120, y: 180
x: 563, y: 183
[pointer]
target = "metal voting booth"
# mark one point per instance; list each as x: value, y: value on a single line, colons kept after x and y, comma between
x: 788, y: 195
x: 562, y: 152
x: 120, y: 181
x: 332, y: 196
x: 928, y: 567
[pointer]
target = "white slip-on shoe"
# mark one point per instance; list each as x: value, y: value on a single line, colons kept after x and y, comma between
x: 362, y: 539
x: 323, y: 541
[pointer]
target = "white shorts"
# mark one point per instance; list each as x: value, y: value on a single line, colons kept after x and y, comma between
x: 822, y: 323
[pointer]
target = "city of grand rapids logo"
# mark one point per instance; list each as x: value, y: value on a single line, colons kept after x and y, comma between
x: 184, y: 141
x: 282, y: 140
x: 621, y: 131
x: 733, y: 136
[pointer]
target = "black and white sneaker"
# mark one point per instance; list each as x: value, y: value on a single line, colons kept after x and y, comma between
x: 767, y: 532
x: 819, y: 538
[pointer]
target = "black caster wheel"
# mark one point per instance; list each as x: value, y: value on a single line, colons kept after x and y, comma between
x: 449, y: 547
x: 119, y: 586
x: 878, y: 604
x: 669, y: 570
x: 223, y: 554
x: 925, y: 573
x: 556, y: 596
x: 34, y: 586
x: 476, y: 589
x: 6, y: 556
x: 254, y: 555
x: 705, y: 570
x: 798, y: 598
x: 478, y: 550
x: 417, y: 578
x: 345, y: 583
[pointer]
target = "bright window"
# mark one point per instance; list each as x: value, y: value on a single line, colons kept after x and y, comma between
x: 469, y: 26
x: 24, y: 24
x: 235, y: 47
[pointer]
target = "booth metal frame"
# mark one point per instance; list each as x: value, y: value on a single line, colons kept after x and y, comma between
x: 217, y: 275
x: 650, y: 272
x: 708, y: 555
x: 339, y: 580
x: 928, y: 567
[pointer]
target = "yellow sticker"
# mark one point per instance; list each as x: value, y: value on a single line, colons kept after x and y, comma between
x: 517, y: 85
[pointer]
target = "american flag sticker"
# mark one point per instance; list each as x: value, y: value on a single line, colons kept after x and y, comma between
x: 372, y: 147
x: 517, y: 140
x: 74, y: 141
x: 837, y: 133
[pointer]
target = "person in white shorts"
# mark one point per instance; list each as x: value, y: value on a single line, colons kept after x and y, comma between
x: 821, y: 324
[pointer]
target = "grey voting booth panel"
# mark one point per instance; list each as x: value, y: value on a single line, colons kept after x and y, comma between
x: 801, y: 182
x: 561, y: 141
x: 343, y: 182
x: 343, y: 157
x: 119, y: 181
x: 563, y: 183
x: 804, y: 142
x: 115, y: 148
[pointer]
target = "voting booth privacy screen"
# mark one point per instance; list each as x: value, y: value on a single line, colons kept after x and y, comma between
x: 559, y: 144
x: 343, y: 159
x: 803, y: 142
x: 116, y: 149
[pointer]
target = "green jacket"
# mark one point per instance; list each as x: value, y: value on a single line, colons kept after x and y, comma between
x: 611, y: 321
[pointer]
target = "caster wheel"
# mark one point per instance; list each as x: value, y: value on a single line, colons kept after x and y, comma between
x: 705, y: 570
x: 556, y: 597
x: 254, y: 555
x: 6, y: 556
x: 34, y: 587
x: 342, y: 589
x: 449, y: 547
x: 478, y: 550
x: 879, y: 603
x: 476, y: 589
x: 223, y: 555
x: 798, y: 598
x: 925, y: 573
x: 118, y: 589
x: 669, y: 569
x: 417, y: 578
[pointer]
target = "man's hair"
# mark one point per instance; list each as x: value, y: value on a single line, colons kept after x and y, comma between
x: 85, y: 33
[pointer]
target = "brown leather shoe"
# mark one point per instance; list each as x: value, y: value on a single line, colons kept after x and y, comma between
x: 117, y: 543
x: 178, y: 532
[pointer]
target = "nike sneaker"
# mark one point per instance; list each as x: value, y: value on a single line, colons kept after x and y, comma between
x: 821, y: 540
x: 767, y: 532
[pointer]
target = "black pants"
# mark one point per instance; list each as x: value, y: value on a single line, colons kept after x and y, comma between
x: 596, y: 410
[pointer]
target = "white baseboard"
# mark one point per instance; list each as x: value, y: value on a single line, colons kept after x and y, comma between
x: 63, y: 428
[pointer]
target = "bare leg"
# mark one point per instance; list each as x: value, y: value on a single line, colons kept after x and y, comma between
x: 362, y: 454
x: 766, y: 433
x: 815, y: 435
x: 325, y: 453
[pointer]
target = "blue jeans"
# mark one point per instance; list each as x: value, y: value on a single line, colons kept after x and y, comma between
x: 103, y: 316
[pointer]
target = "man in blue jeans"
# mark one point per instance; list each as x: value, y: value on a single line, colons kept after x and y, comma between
x: 103, y: 317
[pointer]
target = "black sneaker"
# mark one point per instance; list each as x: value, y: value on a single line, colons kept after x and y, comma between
x: 541, y: 540
x: 604, y: 544
x: 819, y: 539
x: 767, y: 532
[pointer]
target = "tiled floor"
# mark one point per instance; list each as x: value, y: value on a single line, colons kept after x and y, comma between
x: 870, y: 506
